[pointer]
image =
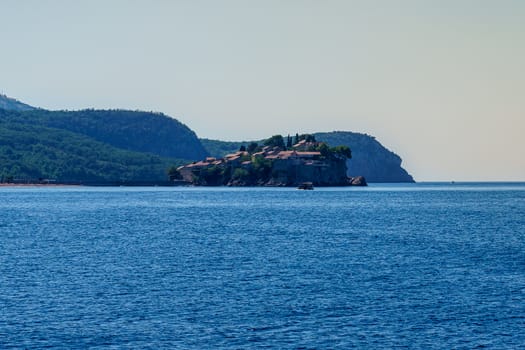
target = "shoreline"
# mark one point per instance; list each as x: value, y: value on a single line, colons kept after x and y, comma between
x: 38, y: 185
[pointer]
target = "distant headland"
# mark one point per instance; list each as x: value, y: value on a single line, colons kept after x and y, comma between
x: 122, y: 147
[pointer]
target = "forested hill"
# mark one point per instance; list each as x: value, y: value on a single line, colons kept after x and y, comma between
x: 93, y: 146
x: 153, y: 133
x: 12, y: 104
x: 32, y: 153
x: 218, y: 149
x: 369, y: 157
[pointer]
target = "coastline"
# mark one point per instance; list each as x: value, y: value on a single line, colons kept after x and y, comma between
x: 38, y: 185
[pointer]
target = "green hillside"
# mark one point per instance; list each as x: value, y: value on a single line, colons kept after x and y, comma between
x: 32, y: 152
x: 136, y: 131
x: 12, y: 104
x: 218, y: 148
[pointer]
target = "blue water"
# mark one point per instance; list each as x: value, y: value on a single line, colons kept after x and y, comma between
x: 417, y: 266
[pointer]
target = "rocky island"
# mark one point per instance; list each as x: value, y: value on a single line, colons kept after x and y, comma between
x: 275, y: 163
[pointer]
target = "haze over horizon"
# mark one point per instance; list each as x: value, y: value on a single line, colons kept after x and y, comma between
x: 441, y: 83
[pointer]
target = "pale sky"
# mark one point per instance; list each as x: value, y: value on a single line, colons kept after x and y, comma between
x: 441, y: 83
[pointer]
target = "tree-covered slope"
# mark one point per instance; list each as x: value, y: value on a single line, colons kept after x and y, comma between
x: 137, y: 131
x: 32, y: 152
x: 12, y: 104
x: 369, y: 157
x: 218, y: 149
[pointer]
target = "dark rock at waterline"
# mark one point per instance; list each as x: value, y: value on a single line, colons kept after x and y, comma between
x: 357, y: 181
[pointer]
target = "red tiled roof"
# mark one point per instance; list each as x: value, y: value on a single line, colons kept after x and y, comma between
x: 236, y: 154
x: 198, y: 164
x: 286, y: 154
x: 308, y: 154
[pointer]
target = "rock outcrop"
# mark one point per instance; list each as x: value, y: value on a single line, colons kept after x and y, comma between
x: 329, y: 172
x: 272, y: 166
x: 357, y: 181
x: 369, y: 158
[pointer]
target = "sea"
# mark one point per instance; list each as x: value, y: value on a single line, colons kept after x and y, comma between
x: 423, y: 266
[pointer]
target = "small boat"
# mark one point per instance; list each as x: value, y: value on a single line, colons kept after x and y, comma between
x: 306, y: 186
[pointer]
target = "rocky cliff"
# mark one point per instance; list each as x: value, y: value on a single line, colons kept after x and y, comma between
x: 369, y: 158
x: 328, y: 172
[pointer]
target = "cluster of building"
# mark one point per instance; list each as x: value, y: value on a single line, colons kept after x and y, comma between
x: 245, y: 159
x: 288, y: 167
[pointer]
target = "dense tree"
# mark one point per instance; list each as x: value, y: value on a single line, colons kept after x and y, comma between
x: 310, y: 138
x: 218, y: 148
x: 262, y: 169
x: 252, y: 147
x: 324, y: 149
x: 297, y: 139
x: 288, y: 142
x: 173, y: 173
x: 343, y: 151
x: 135, y: 131
x: 212, y: 176
x: 338, y: 151
x: 275, y: 141
x: 240, y: 174
x: 29, y: 153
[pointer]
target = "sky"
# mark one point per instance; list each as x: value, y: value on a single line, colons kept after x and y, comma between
x: 441, y: 83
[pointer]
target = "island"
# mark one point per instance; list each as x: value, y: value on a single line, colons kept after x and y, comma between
x: 274, y: 163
